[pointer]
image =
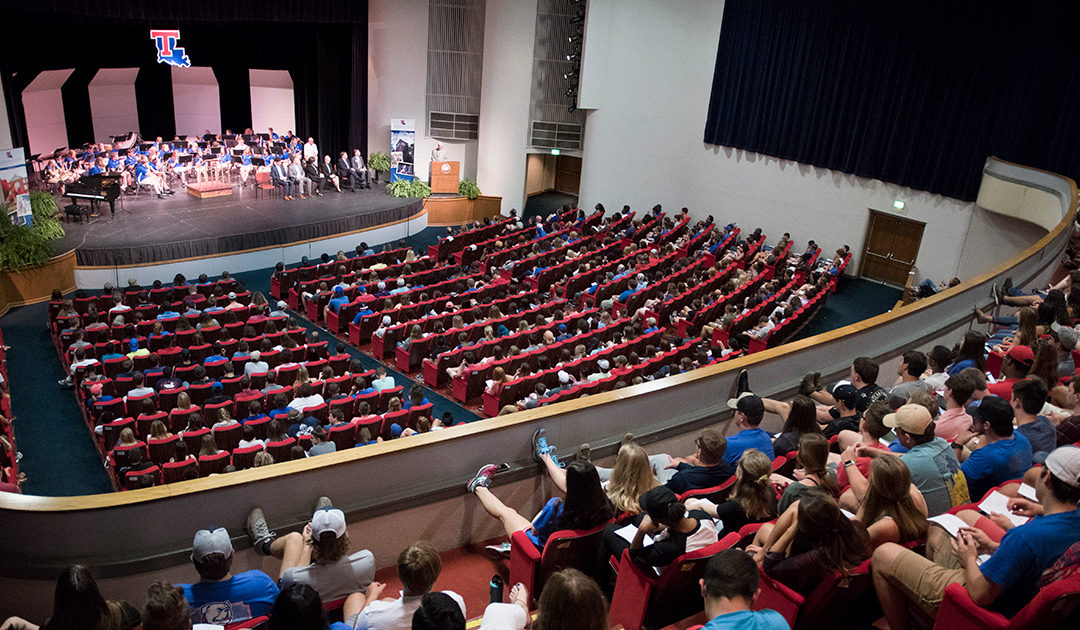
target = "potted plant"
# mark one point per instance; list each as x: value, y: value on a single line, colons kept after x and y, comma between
x: 408, y: 188
x: 379, y: 162
x: 468, y: 188
x: 29, y: 245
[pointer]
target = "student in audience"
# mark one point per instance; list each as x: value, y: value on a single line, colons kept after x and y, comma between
x: 958, y: 390
x: 845, y: 417
x: 1014, y: 367
x: 800, y: 418
x: 418, y: 566
x: 585, y: 507
x: 811, y: 539
x: 219, y: 597
x: 752, y: 499
x: 299, y: 607
x: 77, y: 605
x: 908, y: 376
x: 813, y: 471
x: 165, y: 608
x: 1010, y: 577
x: 749, y: 412
x: 631, y: 476
x: 672, y: 529
x: 319, y: 556
x: 730, y: 589
x: 382, y: 380
x: 887, y: 503
x: 1003, y: 453
x: 1028, y: 397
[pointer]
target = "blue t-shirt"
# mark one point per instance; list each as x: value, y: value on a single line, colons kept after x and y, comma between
x: 241, y: 597
x: 1041, y: 434
x: 1025, y: 552
x: 748, y: 620
x: 747, y: 439
x: 996, y: 463
x: 338, y: 302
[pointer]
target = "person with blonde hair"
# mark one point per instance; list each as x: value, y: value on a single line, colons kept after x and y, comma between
x: 631, y: 477
x: 752, y: 499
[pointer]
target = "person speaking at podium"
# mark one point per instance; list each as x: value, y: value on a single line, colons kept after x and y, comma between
x: 438, y: 154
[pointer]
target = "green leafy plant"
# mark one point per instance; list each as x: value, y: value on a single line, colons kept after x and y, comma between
x: 405, y: 188
x: 468, y: 188
x: 24, y: 246
x: 379, y: 162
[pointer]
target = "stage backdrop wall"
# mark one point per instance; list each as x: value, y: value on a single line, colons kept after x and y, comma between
x: 113, y: 106
x: 44, y: 107
x: 272, y: 102
x: 644, y: 151
x: 195, y: 100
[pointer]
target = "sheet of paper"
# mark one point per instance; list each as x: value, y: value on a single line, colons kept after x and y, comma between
x: 999, y: 503
x: 1027, y: 492
x: 950, y: 522
x: 847, y: 514
x: 627, y: 533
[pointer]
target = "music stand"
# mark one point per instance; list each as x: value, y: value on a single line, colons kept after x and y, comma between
x: 202, y: 145
x: 186, y: 159
x: 215, y: 151
x: 230, y: 141
x: 237, y: 151
x: 258, y: 161
x: 236, y: 159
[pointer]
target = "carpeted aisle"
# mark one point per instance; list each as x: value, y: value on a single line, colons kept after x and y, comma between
x: 855, y: 300
x: 59, y: 456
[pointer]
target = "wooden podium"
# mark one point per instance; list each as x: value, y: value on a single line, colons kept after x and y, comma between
x: 444, y: 177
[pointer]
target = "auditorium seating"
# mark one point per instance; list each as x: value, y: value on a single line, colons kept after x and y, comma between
x: 564, y: 549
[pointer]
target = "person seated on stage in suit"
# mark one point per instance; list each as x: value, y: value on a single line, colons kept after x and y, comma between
x: 345, y: 171
x: 326, y: 169
x: 245, y: 166
x: 279, y: 177
x: 358, y: 165
x: 438, y: 154
x: 311, y: 169
x: 146, y: 175
x: 300, y: 180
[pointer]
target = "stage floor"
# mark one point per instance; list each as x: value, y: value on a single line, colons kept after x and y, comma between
x: 151, y: 230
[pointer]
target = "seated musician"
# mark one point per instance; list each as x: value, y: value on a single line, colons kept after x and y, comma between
x: 245, y: 167
x: 146, y: 174
x: 101, y: 165
x: 224, y: 162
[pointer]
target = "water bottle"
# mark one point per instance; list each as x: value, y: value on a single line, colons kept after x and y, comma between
x: 495, y: 589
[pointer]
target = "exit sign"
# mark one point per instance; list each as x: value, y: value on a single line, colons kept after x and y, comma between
x: 555, y: 151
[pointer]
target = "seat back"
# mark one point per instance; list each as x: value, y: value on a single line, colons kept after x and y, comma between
x: 245, y: 457
x: 162, y: 450
x: 228, y: 438
x: 134, y: 479
x: 175, y: 471
x: 212, y: 464
x: 1056, y: 605
x: 343, y: 436
x: 640, y: 599
x: 194, y: 439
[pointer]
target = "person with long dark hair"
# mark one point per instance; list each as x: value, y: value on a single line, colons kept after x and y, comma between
x: 586, y: 505
x: 752, y: 499
x: 299, y: 607
x: 800, y: 418
x: 77, y: 604
x: 811, y: 539
x: 971, y: 353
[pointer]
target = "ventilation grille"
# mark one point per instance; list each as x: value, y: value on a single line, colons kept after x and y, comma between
x: 454, y: 68
x: 451, y: 126
x: 554, y: 135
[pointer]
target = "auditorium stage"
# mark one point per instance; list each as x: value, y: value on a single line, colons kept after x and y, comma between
x: 151, y: 230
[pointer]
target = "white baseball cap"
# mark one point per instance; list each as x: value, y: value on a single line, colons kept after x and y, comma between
x: 328, y: 520
x: 1064, y: 463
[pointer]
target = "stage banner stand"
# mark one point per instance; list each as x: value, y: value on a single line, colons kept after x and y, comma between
x: 402, y: 149
x: 16, y: 186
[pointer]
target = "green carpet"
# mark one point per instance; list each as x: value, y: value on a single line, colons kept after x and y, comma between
x: 59, y: 456
x: 855, y: 300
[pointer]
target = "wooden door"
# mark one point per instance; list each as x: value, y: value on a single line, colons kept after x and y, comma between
x: 890, y: 248
x: 567, y: 174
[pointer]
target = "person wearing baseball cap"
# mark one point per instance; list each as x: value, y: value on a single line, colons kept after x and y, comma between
x: 1065, y: 340
x: 844, y: 414
x: 1004, y: 454
x: 749, y: 412
x: 1019, y: 557
x: 219, y: 597
x: 1014, y: 367
x: 338, y: 300
x: 934, y: 467
x: 319, y: 556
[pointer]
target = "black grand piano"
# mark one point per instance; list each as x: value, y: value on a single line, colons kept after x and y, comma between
x: 96, y: 188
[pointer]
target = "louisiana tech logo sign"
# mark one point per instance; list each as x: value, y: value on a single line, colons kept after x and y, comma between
x: 167, y: 50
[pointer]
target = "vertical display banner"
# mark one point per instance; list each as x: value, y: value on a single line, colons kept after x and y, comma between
x: 402, y: 149
x: 16, y: 186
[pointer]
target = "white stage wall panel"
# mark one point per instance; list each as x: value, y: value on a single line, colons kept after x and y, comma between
x: 46, y: 127
x: 195, y: 101
x: 112, y: 103
x: 272, y: 103
x: 5, y: 130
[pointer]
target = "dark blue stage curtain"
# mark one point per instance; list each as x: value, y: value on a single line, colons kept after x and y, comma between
x: 916, y: 93
x: 322, y: 44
